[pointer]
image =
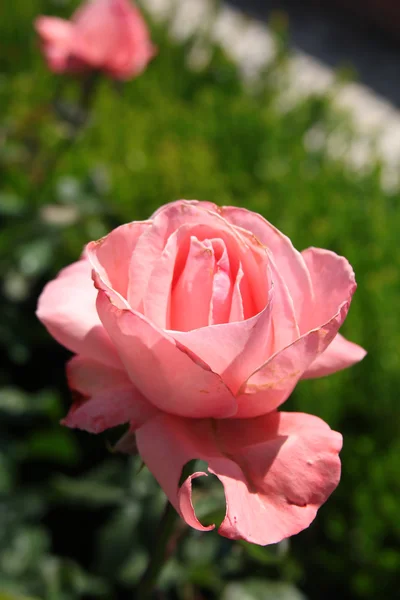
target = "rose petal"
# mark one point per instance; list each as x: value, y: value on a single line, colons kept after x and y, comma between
x: 168, y: 375
x: 182, y: 274
x: 340, y: 354
x: 222, y: 285
x: 188, y: 219
x: 111, y: 255
x: 272, y: 383
x: 90, y: 378
x: 233, y: 350
x: 236, y: 350
x: 53, y: 28
x: 104, y: 397
x: 67, y: 307
x: 285, y: 328
x: 288, y: 260
x: 276, y: 470
x: 191, y: 295
x: 165, y: 222
x: 331, y: 277
x: 112, y: 34
x: 57, y: 39
x: 132, y: 58
x: 237, y: 305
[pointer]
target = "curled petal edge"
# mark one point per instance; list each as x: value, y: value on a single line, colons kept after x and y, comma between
x: 274, y: 483
x: 269, y: 386
x: 339, y: 355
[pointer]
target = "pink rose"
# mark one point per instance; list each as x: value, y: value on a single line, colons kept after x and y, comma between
x: 110, y: 35
x: 200, y: 323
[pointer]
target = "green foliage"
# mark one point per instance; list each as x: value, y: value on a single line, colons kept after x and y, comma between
x: 169, y: 134
x: 261, y: 590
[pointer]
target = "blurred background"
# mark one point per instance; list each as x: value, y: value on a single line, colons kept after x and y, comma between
x: 76, y: 520
x: 362, y: 34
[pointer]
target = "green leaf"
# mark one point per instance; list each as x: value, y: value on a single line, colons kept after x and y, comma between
x: 87, y: 492
x: 6, y: 474
x: 25, y: 551
x: 15, y: 402
x: 258, y: 589
x: 117, y: 543
x: 35, y: 257
x: 10, y: 205
x: 58, y: 445
x: 267, y: 555
x: 12, y: 596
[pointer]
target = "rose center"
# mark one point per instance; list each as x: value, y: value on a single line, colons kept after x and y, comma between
x: 201, y: 294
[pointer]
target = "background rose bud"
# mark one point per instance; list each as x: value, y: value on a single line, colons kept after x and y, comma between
x: 110, y: 35
x: 201, y: 322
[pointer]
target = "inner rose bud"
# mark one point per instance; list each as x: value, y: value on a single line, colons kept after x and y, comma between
x: 209, y: 285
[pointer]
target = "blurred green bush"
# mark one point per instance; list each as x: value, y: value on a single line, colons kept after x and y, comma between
x: 78, y: 522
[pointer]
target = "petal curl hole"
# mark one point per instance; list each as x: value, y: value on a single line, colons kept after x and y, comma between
x: 208, y: 496
x: 189, y: 468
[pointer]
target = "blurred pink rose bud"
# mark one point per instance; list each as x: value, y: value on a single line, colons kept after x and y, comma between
x: 110, y: 35
x: 200, y: 323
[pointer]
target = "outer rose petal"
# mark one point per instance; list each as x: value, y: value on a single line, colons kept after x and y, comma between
x: 340, y: 354
x: 53, y: 29
x: 274, y: 381
x: 104, y: 398
x: 331, y: 275
x: 111, y: 255
x: 57, y: 38
x: 276, y: 470
x: 168, y: 375
x: 67, y: 307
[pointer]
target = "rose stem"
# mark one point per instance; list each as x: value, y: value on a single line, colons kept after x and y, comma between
x: 157, y: 559
x: 164, y: 535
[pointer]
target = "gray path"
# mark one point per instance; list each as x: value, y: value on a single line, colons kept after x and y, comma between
x: 337, y: 40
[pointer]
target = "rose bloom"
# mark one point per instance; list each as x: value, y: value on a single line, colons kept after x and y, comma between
x: 110, y: 35
x: 199, y: 324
